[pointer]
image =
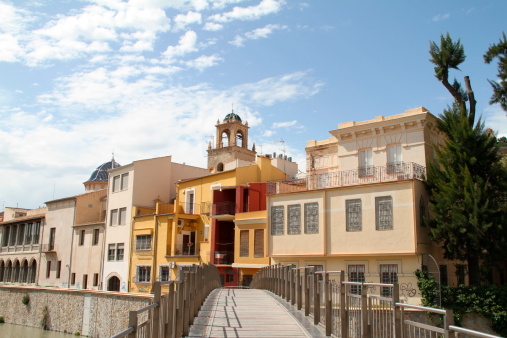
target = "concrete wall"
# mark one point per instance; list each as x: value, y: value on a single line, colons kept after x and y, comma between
x: 95, y: 314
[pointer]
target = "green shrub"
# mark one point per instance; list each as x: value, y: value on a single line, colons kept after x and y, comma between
x: 2, y: 320
x: 26, y: 299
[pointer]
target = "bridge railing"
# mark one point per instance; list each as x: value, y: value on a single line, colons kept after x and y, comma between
x: 172, y: 313
x: 353, y: 309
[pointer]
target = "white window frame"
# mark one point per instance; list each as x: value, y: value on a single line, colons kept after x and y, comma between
x: 143, y: 278
x: 394, y: 159
x: 122, y: 216
x: 113, y: 217
x: 124, y: 185
x: 189, y: 201
x: 143, y: 242
x: 116, y: 183
x: 365, y: 162
x: 160, y: 274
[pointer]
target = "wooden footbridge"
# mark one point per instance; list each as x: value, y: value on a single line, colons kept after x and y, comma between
x: 283, y: 301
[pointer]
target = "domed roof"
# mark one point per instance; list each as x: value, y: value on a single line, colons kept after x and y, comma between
x: 232, y: 116
x: 101, y: 174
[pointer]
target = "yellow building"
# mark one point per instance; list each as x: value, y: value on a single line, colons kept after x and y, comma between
x: 218, y: 218
x: 361, y: 206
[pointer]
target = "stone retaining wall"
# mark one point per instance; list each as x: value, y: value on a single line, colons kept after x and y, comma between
x: 91, y: 313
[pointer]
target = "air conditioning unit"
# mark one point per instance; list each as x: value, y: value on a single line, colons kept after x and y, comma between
x: 180, y: 223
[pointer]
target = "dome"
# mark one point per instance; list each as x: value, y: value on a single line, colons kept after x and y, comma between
x: 101, y: 174
x: 232, y: 116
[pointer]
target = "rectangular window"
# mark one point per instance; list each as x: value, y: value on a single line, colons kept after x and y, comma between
x: 73, y: 278
x: 5, y: 236
x: 143, y: 242
x: 52, y: 238
x: 48, y: 269
x: 12, y: 239
x: 81, y: 237
x: 58, y: 269
x: 277, y: 220
x: 96, y: 233
x: 28, y: 233
x: 365, y: 163
x: 85, y: 281
x: 443, y: 274
x: 163, y: 273
x: 114, y: 217
x: 259, y: 243
x: 394, y: 163
x: 120, y: 249
x: 21, y: 234
x: 354, y: 215
x: 356, y: 274
x: 35, y: 233
x: 111, y: 252
x: 125, y: 181
x: 294, y: 219
x: 243, y: 243
x: 95, y: 279
x: 384, y: 213
x: 388, y: 275
x: 123, y: 216
x: 143, y: 274
x: 229, y: 278
x: 116, y: 183
x: 190, y: 200
x: 312, y: 218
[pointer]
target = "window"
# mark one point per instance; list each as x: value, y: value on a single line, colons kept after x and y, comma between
x: 5, y: 236
x: 388, y: 275
x: 443, y: 274
x: 81, y: 237
x: 322, y: 181
x: 164, y: 273
x: 394, y: 164
x: 365, y: 163
x: 21, y: 234
x: 277, y: 220
x: 111, y: 252
x: 58, y: 269
x: 12, y: 240
x: 189, y: 202
x: 384, y: 213
x: 48, y: 269
x: 312, y: 218
x: 35, y: 232
x: 294, y: 219
x: 229, y: 278
x: 85, y: 281
x: 120, y: 250
x: 356, y: 274
x: 243, y: 243
x: 96, y: 233
x: 114, y: 217
x: 28, y: 233
x: 316, y: 268
x: 143, y: 242
x: 116, y: 183
x: 259, y: 243
x: 143, y: 274
x: 123, y: 216
x: 354, y: 218
x: 52, y: 237
x: 95, y: 279
x: 73, y: 278
x: 125, y: 181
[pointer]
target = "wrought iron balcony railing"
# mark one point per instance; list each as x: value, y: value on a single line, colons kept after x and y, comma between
x: 392, y: 172
x: 224, y: 208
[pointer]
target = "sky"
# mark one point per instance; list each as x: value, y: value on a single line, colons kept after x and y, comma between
x: 81, y: 80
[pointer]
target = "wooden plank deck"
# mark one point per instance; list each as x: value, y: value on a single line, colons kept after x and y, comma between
x: 248, y: 313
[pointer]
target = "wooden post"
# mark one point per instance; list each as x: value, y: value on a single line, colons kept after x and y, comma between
x: 364, y: 312
x: 307, y: 291
x: 292, y: 285
x: 344, y: 320
x: 179, y: 311
x: 316, y: 299
x: 448, y: 320
x: 396, y: 312
x: 156, y: 311
x: 171, y: 306
x: 186, y: 303
x: 299, y: 290
x: 133, y: 323
x: 327, y: 298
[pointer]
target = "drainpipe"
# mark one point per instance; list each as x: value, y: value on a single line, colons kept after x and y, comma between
x: 71, y: 244
x: 41, y: 237
x: 155, y: 251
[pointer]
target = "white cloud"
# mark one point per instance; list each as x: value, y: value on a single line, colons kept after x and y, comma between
x: 204, y: 62
x: 212, y: 26
x: 238, y: 41
x: 285, y: 124
x: 259, y: 33
x: 186, y: 44
x: 496, y: 119
x: 265, y: 7
x: 181, y: 21
x: 441, y: 17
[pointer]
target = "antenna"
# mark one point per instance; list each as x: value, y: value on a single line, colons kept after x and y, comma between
x: 283, y: 149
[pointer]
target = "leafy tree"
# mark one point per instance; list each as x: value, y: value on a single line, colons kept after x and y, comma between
x: 499, y: 51
x: 466, y: 184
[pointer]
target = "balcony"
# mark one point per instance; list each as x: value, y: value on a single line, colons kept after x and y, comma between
x: 185, y: 250
x: 48, y: 247
x: 194, y: 208
x: 389, y: 173
x: 224, y: 208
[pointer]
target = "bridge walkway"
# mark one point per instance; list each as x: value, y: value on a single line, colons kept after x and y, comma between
x: 250, y: 313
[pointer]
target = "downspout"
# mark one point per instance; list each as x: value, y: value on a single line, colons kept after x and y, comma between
x: 130, y: 250
x: 41, y: 238
x: 103, y: 254
x: 71, y: 244
x: 155, y: 252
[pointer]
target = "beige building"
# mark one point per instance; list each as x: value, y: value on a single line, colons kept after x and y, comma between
x: 20, y: 245
x: 362, y: 204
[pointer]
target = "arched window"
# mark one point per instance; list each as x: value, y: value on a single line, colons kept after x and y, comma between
x: 220, y: 167
x: 23, y: 277
x: 113, y: 284
x: 15, y: 272
x: 225, y: 140
x: 32, y: 270
x: 240, y: 139
x: 8, y: 271
x: 2, y: 271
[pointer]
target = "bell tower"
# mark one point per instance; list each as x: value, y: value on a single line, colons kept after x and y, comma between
x: 231, y: 144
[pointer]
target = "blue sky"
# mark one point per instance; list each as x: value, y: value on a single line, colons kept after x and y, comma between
x: 149, y: 78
